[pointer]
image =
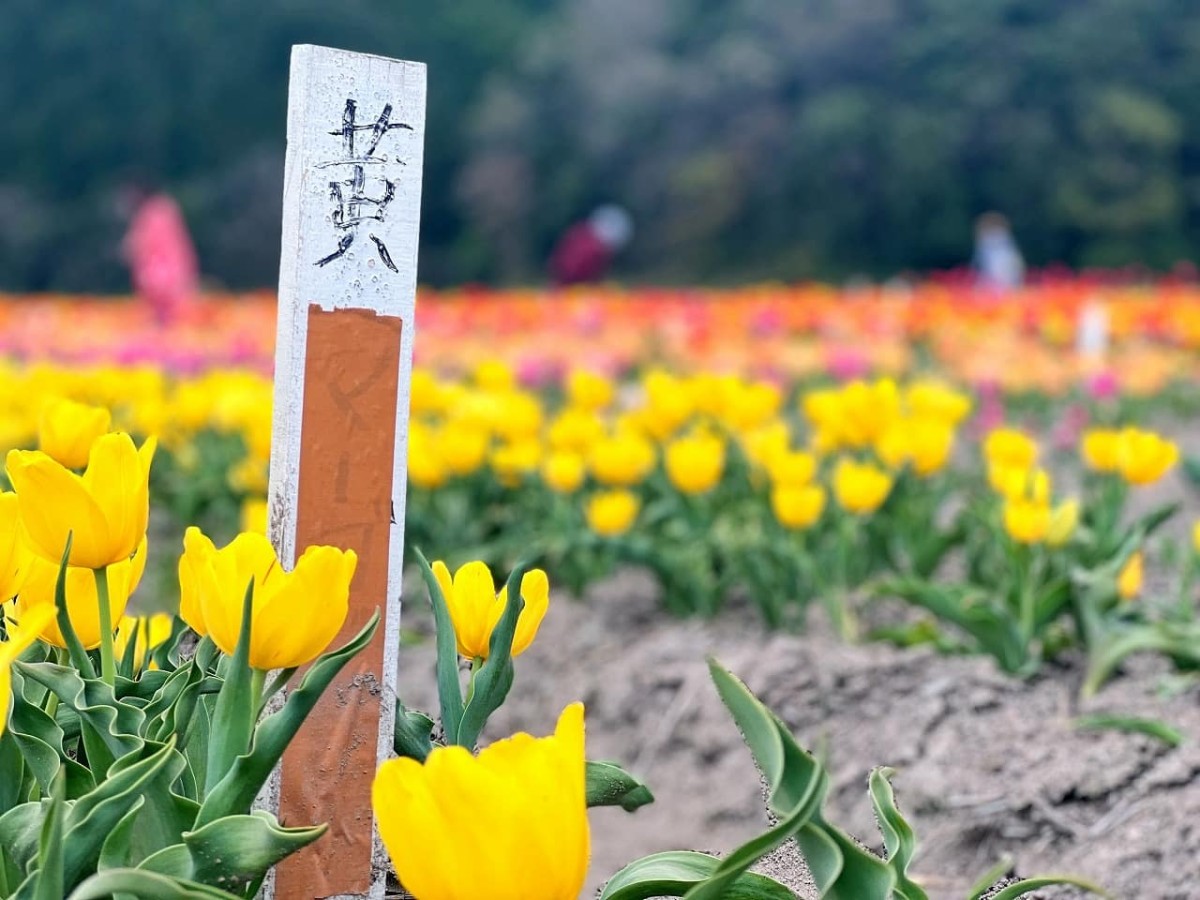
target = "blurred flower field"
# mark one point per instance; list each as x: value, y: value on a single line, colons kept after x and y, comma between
x: 993, y: 476
x: 785, y: 445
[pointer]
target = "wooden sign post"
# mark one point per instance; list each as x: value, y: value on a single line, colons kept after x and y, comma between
x: 347, y: 287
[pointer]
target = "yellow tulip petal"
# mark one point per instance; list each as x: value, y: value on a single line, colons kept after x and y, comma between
x: 117, y: 481
x: 471, y: 606
x: 54, y: 502
x: 535, y: 590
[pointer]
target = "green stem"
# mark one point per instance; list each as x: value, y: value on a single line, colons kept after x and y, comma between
x: 476, y: 665
x: 258, y: 678
x: 1026, y: 596
x: 108, y: 668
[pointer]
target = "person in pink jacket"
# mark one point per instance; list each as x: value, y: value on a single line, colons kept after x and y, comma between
x: 161, y: 257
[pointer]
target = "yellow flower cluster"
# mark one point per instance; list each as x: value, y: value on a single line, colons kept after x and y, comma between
x: 1029, y: 515
x: 1138, y: 457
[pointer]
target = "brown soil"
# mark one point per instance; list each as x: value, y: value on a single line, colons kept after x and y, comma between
x: 985, y: 765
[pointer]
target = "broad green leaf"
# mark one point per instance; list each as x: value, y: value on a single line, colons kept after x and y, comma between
x: 450, y: 696
x: 898, y: 837
x: 674, y: 873
x: 115, y: 851
x: 40, y: 740
x: 145, y: 886
x: 111, y: 729
x: 412, y: 733
x: 610, y: 785
x: 94, y: 815
x: 1021, y: 888
x: 20, y: 832
x: 796, y: 782
x: 237, y: 851
x: 234, y: 794
x: 51, y: 865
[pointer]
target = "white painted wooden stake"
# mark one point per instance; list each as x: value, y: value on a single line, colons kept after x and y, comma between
x: 347, y: 285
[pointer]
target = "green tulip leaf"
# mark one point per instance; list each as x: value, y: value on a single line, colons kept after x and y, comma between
x: 610, y: 785
x: 110, y: 729
x: 40, y: 742
x: 145, y: 886
x: 234, y: 794
x: 413, y: 733
x: 91, y: 818
x: 79, y: 658
x: 898, y: 837
x: 51, y: 865
x: 676, y: 872
x: 233, y: 718
x: 798, y: 784
x: 450, y: 696
x: 1021, y: 888
x: 1154, y: 728
x: 235, y: 852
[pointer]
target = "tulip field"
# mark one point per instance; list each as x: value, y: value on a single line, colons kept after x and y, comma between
x: 926, y: 528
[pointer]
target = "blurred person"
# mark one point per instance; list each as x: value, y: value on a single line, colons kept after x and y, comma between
x: 586, y: 250
x: 160, y: 254
x: 997, y: 261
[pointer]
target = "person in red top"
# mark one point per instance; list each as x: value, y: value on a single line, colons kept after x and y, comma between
x: 586, y: 250
x: 161, y: 257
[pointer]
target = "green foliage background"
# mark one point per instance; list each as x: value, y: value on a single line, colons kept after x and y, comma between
x: 750, y: 138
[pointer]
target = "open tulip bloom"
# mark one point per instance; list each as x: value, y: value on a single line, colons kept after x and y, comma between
x: 508, y: 824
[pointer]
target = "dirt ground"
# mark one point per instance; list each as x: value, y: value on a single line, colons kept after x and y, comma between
x: 986, y: 766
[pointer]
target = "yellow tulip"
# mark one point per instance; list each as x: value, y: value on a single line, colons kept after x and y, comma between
x: 513, y: 461
x: 83, y: 604
x: 1026, y: 521
x: 295, y: 615
x: 20, y: 636
x: 621, y: 460
x: 932, y: 400
x: 766, y: 442
x: 929, y: 446
x: 1129, y: 581
x: 563, y: 471
x: 1063, y: 520
x: 1099, y: 449
x: 426, y: 468
x: 792, y: 469
x: 254, y: 515
x: 798, y: 506
x: 463, y: 448
x: 1015, y: 483
x: 66, y: 430
x: 860, y: 488
x: 508, y: 824
x: 612, y: 513
x: 1196, y: 537
x: 589, y: 391
x: 476, y: 608
x: 106, y: 509
x: 1143, y: 457
x: 1009, y: 449
x: 495, y: 375
x: 694, y: 464
x: 518, y: 416
x: 13, y: 554
x: 148, y: 632
x: 576, y: 430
